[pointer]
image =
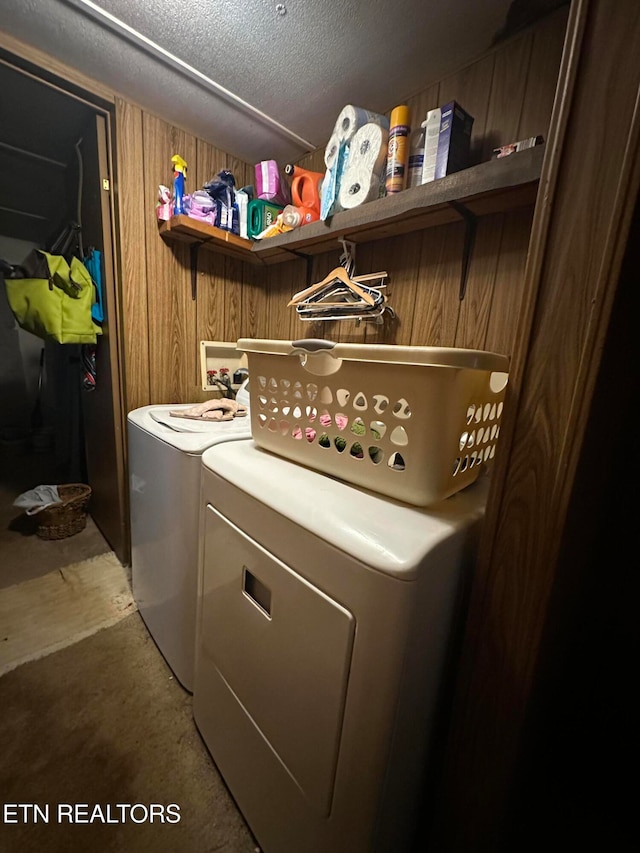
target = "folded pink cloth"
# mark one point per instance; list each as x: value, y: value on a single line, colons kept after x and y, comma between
x: 212, y: 410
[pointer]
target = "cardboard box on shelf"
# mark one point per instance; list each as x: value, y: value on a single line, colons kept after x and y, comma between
x: 513, y: 147
x: 453, y: 140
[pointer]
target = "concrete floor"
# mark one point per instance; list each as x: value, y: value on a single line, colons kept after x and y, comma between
x: 104, y: 723
x: 23, y: 554
x: 100, y: 720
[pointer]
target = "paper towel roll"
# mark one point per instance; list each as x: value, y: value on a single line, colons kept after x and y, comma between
x: 351, y: 120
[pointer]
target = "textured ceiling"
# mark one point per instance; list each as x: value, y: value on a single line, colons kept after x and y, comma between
x: 259, y: 78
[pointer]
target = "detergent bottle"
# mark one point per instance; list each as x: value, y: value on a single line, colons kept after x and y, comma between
x: 296, y: 215
x: 278, y: 226
x: 179, y: 178
x: 306, y: 187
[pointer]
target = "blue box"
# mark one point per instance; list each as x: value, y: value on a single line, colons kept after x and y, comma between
x: 453, y: 140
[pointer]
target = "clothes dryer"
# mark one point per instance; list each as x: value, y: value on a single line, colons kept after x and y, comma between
x: 326, y: 619
x: 164, y: 489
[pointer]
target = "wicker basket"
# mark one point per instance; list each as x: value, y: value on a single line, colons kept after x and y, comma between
x: 68, y: 517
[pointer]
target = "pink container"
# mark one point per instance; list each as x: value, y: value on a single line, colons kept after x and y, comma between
x: 270, y: 184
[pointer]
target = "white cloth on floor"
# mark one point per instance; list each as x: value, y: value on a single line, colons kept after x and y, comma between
x: 38, y: 499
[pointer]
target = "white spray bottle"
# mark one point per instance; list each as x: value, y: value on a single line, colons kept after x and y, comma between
x: 432, y: 133
x: 416, y: 156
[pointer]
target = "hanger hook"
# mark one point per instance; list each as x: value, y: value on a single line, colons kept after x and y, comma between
x: 348, y: 257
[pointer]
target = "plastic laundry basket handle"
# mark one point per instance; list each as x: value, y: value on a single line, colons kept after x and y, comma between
x: 316, y: 356
x: 313, y: 344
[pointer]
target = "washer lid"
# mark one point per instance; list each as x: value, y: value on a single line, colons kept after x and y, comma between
x: 383, y: 533
x: 188, y: 435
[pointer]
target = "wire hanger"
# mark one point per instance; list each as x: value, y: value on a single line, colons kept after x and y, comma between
x: 341, y: 294
x: 336, y: 302
x: 342, y: 275
x: 337, y: 274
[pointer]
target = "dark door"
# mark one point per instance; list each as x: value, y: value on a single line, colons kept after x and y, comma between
x: 55, y: 150
x: 102, y: 407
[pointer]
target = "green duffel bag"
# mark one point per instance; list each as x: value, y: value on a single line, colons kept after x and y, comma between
x: 54, y: 299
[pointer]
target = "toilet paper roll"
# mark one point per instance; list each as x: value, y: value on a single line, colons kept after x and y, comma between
x: 368, y: 148
x: 360, y: 181
x: 329, y: 202
x: 351, y: 120
x: 358, y: 187
x: 331, y: 151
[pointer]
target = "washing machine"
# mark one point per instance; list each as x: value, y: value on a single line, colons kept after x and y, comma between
x: 325, y: 633
x: 165, y: 462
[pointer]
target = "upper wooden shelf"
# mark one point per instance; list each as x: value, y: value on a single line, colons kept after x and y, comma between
x: 185, y: 229
x: 491, y: 187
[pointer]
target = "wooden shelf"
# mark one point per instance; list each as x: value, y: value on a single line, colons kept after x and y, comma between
x: 185, y: 229
x: 492, y: 187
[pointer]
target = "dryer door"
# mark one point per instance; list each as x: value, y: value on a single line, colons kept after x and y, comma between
x: 283, y: 650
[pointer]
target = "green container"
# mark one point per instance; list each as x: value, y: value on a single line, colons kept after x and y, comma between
x: 260, y: 214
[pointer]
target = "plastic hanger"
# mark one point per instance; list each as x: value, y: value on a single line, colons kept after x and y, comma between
x: 342, y: 311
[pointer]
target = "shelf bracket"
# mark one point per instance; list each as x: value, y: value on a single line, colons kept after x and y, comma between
x: 471, y: 224
x: 308, y: 259
x: 194, y: 250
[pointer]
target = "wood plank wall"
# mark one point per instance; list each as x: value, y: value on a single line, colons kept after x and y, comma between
x: 509, y: 91
x: 163, y: 324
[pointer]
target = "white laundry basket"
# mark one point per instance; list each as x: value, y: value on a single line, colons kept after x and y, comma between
x: 415, y: 423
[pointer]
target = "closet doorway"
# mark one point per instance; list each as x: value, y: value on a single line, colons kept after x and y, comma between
x: 56, y: 167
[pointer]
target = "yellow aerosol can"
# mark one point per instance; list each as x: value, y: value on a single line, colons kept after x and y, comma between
x: 398, y: 149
